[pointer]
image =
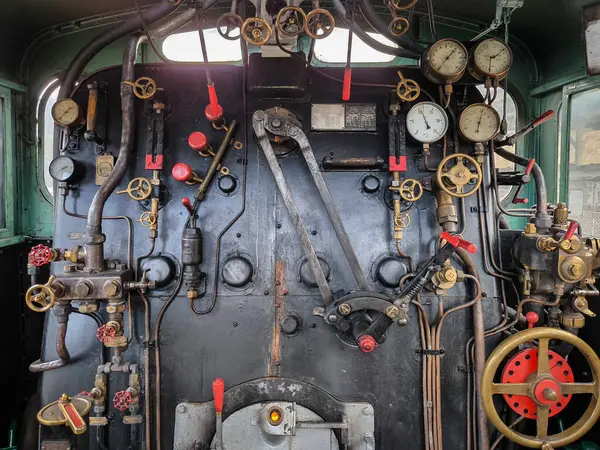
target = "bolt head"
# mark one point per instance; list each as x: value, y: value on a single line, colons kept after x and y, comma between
x: 82, y: 289
x: 111, y: 288
x: 332, y: 317
x: 88, y: 307
x: 181, y: 409
x: 344, y: 309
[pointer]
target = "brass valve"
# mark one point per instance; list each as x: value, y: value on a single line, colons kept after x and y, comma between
x: 143, y: 88
x: 459, y: 181
x: 66, y: 410
x: 256, y: 31
x: 581, y: 304
x: 43, y: 300
x: 75, y: 254
x: 319, y: 23
x: 138, y: 189
x: 407, y: 90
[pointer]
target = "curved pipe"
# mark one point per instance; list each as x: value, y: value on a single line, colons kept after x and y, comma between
x: 107, y: 37
x: 61, y: 350
x: 377, y: 22
x: 362, y: 34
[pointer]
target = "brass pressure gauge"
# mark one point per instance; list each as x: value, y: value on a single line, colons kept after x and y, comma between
x: 445, y: 61
x: 491, y: 58
x: 479, y: 123
x: 67, y: 113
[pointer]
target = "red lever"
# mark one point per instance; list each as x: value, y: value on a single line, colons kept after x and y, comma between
x: 532, y: 318
x: 187, y: 204
x: 213, y: 110
x: 347, y: 83
x: 457, y: 242
x: 518, y: 200
x: 543, y: 118
x: 218, y: 393
x: 529, y: 167
x: 198, y: 141
x: 182, y: 172
x: 571, y: 230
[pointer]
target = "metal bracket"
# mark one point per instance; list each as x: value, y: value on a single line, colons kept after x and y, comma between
x: 501, y: 6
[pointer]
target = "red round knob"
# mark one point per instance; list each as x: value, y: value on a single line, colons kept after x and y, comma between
x: 122, y: 400
x: 532, y: 318
x: 211, y: 116
x: 366, y: 343
x: 40, y: 255
x: 182, y: 172
x: 198, y: 141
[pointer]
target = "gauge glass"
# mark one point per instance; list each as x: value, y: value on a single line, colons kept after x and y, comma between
x: 427, y: 122
x: 448, y: 57
x: 492, y: 57
x: 65, y: 112
x: 62, y: 168
x: 479, y: 123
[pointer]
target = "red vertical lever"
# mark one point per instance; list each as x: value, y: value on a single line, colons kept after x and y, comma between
x: 571, y: 230
x: 529, y: 167
x: 218, y: 393
x: 457, y: 242
x: 347, y: 84
x: 213, y: 110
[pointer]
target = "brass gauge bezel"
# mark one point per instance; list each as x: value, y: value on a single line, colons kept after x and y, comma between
x: 75, y: 123
x: 481, y: 74
x: 435, y: 76
x: 479, y: 105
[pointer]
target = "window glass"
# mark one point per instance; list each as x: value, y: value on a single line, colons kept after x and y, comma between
x: 2, y: 162
x: 333, y: 48
x: 185, y: 47
x: 45, y: 131
x: 584, y: 160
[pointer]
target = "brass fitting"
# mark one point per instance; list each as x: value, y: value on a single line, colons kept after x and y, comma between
x: 114, y: 308
x: 111, y: 288
x: 581, y: 304
x: 392, y: 312
x: 561, y: 215
x: 479, y: 153
x: 446, y: 212
x: 344, y: 309
x: 192, y: 294
x: 530, y: 229
x: 75, y: 255
x: 547, y: 244
x: 572, y: 320
x: 88, y: 307
x: 572, y: 269
x: 445, y: 279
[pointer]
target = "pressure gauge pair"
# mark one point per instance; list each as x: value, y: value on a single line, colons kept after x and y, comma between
x: 446, y: 61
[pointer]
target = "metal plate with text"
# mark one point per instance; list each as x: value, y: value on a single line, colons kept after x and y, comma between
x: 344, y: 117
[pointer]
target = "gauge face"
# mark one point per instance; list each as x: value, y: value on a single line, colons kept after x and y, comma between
x: 62, y: 168
x: 447, y: 58
x: 66, y: 112
x: 492, y: 57
x: 427, y: 122
x: 479, y: 123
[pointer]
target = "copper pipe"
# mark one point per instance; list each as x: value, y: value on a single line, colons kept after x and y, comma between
x: 512, y: 425
x: 61, y: 348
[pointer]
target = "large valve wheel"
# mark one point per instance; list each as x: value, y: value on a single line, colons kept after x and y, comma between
x: 227, y: 25
x: 459, y: 180
x: 546, y: 388
x: 40, y: 297
x: 256, y: 31
x: 319, y: 23
x: 291, y: 21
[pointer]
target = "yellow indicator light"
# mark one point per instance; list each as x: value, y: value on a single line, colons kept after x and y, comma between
x: 275, y: 416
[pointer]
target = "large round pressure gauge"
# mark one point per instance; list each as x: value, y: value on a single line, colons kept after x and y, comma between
x: 479, y: 123
x: 67, y: 113
x: 445, y: 61
x: 427, y: 122
x: 491, y: 58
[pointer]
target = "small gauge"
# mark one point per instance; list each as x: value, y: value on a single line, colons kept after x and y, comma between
x: 427, y: 122
x: 445, y: 61
x: 65, y: 169
x: 479, y: 123
x: 491, y: 58
x: 67, y: 113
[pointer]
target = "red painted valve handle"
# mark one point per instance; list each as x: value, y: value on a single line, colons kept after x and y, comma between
x: 571, y: 230
x: 457, y: 242
x: 543, y: 118
x: 40, y: 255
x: 218, y: 393
x: 122, y: 400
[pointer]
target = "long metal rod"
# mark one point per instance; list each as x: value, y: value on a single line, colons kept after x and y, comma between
x: 313, y: 166
x: 258, y: 123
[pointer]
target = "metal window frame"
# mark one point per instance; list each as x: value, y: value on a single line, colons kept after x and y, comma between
x: 10, y: 172
x: 40, y: 171
x: 567, y: 95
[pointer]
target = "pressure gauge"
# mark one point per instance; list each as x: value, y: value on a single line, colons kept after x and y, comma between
x: 445, y: 61
x: 427, y: 122
x: 491, y: 58
x: 67, y: 113
x: 479, y: 123
x: 65, y: 169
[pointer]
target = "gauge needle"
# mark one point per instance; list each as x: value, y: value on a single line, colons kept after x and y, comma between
x: 479, y: 122
x: 426, y: 124
x: 65, y: 113
x: 447, y: 58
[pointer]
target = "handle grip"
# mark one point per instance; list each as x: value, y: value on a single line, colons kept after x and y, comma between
x: 347, y: 84
x: 187, y: 204
x: 218, y: 393
x: 457, y: 242
x: 529, y: 167
x: 543, y: 118
x: 571, y: 230
x: 72, y: 416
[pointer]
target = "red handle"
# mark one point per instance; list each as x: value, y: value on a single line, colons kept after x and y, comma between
x: 347, y: 83
x: 543, y: 118
x: 457, y: 242
x: 182, y: 172
x: 187, y: 204
x: 213, y: 110
x: 197, y: 141
x: 219, y: 393
x: 532, y: 318
x: 529, y: 167
x: 518, y: 200
x: 571, y: 230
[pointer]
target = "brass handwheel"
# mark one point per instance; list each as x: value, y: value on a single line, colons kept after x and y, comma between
x: 256, y: 31
x: 398, y: 27
x: 407, y: 90
x: 399, y: 6
x: 139, y: 188
x: 143, y: 88
x: 411, y: 190
x: 319, y: 23
x: 459, y: 181
x: 229, y: 23
x: 147, y: 219
x: 291, y: 21
x: 535, y: 388
x: 402, y: 220
x: 43, y: 300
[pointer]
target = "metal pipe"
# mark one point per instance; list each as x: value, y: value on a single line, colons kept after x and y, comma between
x: 61, y: 349
x: 172, y: 25
x: 94, y: 239
x: 367, y: 162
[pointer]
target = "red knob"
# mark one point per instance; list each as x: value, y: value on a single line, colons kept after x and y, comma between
x: 40, y: 255
x: 182, y: 172
x: 532, y: 318
x: 457, y: 242
x: 122, y: 400
x: 218, y: 393
x: 198, y: 141
x: 571, y: 230
x: 187, y: 204
x: 366, y: 343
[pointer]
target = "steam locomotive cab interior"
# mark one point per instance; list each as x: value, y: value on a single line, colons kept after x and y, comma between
x: 288, y: 224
